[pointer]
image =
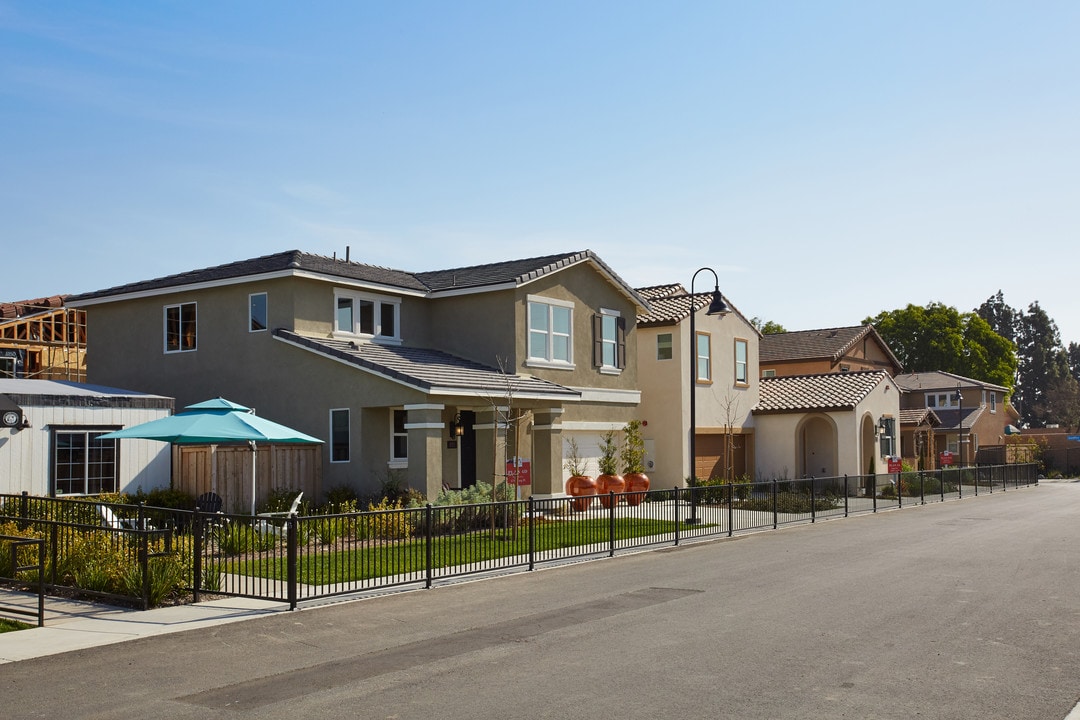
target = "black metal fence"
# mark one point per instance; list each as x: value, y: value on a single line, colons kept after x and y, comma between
x: 140, y: 552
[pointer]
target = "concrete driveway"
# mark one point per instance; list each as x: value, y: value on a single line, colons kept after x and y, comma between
x: 966, y: 609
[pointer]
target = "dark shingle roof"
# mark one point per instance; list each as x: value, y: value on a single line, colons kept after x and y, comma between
x: 431, y: 371
x: 830, y: 343
x: 476, y: 276
x: 831, y: 391
x: 279, y: 262
x: 938, y: 380
x: 950, y: 417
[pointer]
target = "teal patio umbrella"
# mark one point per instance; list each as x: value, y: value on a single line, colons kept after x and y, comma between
x: 215, y: 422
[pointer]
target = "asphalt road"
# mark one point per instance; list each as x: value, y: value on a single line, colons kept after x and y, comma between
x: 967, y: 609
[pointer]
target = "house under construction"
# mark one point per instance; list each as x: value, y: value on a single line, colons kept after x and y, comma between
x: 42, y: 340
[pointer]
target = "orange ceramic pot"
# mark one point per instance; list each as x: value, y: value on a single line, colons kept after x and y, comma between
x: 609, y: 484
x: 577, y: 486
x: 636, y: 483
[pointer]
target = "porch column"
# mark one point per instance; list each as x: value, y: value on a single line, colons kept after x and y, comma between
x: 490, y: 430
x: 547, y: 459
x: 426, y: 430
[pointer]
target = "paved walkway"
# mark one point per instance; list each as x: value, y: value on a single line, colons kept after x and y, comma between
x: 74, y: 625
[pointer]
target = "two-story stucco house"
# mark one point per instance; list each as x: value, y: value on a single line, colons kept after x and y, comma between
x: 725, y: 383
x: 408, y: 373
x: 947, y: 412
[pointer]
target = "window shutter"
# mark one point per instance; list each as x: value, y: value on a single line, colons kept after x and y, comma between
x: 620, y: 337
x: 597, y: 341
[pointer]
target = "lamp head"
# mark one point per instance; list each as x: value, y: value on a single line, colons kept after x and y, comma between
x: 717, y: 306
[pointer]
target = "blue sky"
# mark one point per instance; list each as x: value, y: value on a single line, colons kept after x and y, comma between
x: 829, y: 160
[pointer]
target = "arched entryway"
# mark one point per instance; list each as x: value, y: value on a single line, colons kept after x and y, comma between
x: 817, y: 449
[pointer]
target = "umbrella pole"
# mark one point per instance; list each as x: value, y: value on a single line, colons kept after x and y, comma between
x: 254, y: 465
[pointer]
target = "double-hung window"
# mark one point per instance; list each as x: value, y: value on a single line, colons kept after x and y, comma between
x: 180, y: 328
x: 663, y: 346
x: 399, y: 439
x: 550, y: 332
x: 742, y: 376
x: 339, y: 435
x: 257, y: 312
x: 367, y: 315
x: 888, y: 438
x: 609, y: 341
x: 82, y: 463
x: 703, y: 350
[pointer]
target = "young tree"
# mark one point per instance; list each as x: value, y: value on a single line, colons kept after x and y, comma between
x: 767, y: 327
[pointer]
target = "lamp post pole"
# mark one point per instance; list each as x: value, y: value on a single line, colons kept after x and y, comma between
x: 960, y: 426
x: 717, y: 306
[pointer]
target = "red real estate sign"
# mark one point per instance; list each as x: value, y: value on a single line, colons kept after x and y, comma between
x: 895, y: 465
x: 946, y: 457
x: 521, y: 475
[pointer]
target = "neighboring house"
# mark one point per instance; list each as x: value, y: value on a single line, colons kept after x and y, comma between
x: 404, y: 374
x: 725, y: 383
x: 42, y: 340
x: 980, y: 417
x: 826, y: 425
x: 49, y: 439
x: 812, y: 352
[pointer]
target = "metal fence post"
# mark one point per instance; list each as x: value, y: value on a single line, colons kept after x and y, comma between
x: 429, y: 546
x: 144, y: 563
x: 612, y: 501
x: 730, y: 511
x: 813, y: 498
x: 532, y: 533
x: 24, y: 510
x: 873, y: 489
x: 291, y: 536
x: 197, y: 550
x: 677, y: 520
x: 774, y: 519
x: 845, y: 495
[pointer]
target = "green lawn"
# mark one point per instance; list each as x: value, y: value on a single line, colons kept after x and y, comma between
x: 10, y: 625
x: 323, y: 567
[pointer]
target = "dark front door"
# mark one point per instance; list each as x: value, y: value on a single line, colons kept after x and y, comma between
x: 467, y: 449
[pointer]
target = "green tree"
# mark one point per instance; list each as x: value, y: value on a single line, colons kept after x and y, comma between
x: 767, y: 327
x: 1004, y: 319
x: 1043, y: 363
x: 940, y: 337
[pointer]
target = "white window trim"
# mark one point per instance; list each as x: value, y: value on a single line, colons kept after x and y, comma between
x: 606, y: 369
x: 548, y: 362
x: 267, y: 304
x: 348, y: 420
x: 165, y: 327
x: 378, y: 301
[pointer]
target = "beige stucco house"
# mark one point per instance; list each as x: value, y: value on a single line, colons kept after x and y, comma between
x: 827, y: 425
x: 828, y: 350
x: 725, y: 380
x: 419, y: 375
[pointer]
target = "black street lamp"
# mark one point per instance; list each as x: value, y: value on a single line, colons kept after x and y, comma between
x: 717, y: 306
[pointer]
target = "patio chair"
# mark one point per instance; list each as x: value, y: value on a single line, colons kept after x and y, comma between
x: 114, y: 522
x: 209, y: 502
x: 265, y: 525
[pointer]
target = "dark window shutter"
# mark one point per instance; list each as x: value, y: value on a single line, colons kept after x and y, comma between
x: 598, y: 340
x: 620, y: 336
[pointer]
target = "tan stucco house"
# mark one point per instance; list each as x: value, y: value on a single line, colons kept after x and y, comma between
x: 829, y: 350
x: 407, y: 374
x: 725, y: 381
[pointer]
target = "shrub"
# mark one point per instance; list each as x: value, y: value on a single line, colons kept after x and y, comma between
x: 633, y: 449
x: 341, y: 499
x: 387, y: 522
x: 238, y: 538
x: 609, y: 452
x: 27, y: 554
x: 464, y: 510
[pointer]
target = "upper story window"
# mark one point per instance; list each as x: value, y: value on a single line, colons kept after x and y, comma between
x: 663, y: 346
x: 742, y: 376
x: 551, y: 340
x: 993, y: 401
x: 940, y: 400
x: 367, y: 315
x: 180, y: 328
x: 339, y: 435
x: 82, y: 463
x: 768, y: 373
x: 257, y: 312
x: 609, y: 340
x: 703, y: 349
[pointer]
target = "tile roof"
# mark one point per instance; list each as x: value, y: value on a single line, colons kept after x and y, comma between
x: 477, y: 276
x: 919, y: 416
x: 24, y: 308
x: 431, y: 371
x: 939, y: 380
x: 670, y: 305
x: 831, y: 343
x: 950, y: 417
x: 830, y: 391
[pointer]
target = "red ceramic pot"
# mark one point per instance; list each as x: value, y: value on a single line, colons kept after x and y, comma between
x: 577, y: 486
x: 609, y: 484
x: 636, y: 483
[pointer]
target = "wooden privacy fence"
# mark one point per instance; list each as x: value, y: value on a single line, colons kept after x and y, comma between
x: 226, y: 470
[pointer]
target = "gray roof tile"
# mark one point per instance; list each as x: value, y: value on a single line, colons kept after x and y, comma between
x: 939, y: 380
x: 431, y: 371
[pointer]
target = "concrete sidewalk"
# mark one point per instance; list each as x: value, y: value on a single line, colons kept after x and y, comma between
x: 75, y: 625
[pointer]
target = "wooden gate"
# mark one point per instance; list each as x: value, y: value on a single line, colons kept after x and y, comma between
x: 226, y: 470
